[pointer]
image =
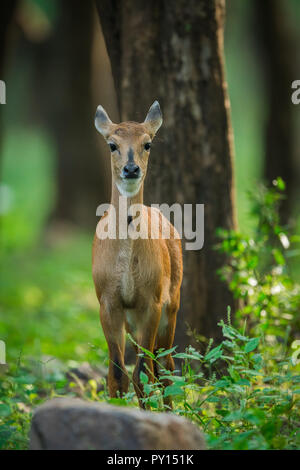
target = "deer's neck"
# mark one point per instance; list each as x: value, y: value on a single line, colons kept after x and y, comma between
x: 115, y: 197
x: 122, y: 204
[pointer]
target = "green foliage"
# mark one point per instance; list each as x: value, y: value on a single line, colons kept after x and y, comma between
x: 49, y: 320
x: 18, y: 394
x: 26, y: 189
x: 258, y: 270
x: 48, y: 307
x: 245, y: 392
x: 250, y: 403
x: 29, y: 383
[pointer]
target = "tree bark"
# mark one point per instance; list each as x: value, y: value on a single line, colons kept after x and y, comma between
x: 7, y: 11
x: 278, y: 59
x: 174, y: 53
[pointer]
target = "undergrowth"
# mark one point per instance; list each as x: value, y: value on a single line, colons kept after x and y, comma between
x: 243, y: 392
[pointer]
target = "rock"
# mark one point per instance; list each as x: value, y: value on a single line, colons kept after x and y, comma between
x: 81, y: 375
x: 46, y: 366
x: 72, y: 423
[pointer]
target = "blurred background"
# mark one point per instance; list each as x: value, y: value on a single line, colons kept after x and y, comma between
x: 55, y: 169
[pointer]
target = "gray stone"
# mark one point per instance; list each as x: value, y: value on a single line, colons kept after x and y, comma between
x: 72, y: 423
x: 81, y: 375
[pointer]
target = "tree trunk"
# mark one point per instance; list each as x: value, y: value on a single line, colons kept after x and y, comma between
x: 174, y: 53
x: 65, y: 105
x: 278, y: 59
x: 7, y: 11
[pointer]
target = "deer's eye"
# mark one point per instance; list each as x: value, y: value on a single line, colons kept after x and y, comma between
x: 112, y: 147
x: 147, y: 146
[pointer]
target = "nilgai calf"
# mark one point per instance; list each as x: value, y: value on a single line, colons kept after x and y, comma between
x: 137, y: 279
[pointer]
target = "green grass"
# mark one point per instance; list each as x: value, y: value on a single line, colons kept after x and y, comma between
x: 48, y: 304
x: 49, y: 313
x: 49, y: 319
x: 27, y: 176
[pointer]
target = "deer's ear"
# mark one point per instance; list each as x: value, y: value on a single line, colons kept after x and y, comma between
x: 102, y: 122
x: 153, y: 119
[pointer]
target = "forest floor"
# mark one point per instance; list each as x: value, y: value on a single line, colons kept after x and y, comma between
x: 50, y: 324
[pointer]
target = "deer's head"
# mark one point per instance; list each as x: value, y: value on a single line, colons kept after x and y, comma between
x: 129, y: 144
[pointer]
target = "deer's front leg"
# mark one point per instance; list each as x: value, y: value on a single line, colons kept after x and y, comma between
x: 112, y: 321
x: 147, y: 337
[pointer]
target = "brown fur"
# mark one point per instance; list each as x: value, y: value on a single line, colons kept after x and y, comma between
x: 136, y: 280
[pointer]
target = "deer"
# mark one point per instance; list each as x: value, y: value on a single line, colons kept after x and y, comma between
x: 137, y: 281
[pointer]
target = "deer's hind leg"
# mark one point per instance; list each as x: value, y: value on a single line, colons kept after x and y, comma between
x: 165, y: 338
x: 147, y: 339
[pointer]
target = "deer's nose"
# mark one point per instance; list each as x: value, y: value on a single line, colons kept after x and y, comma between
x: 131, y: 170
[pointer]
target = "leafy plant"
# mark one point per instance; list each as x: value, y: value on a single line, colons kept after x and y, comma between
x: 258, y: 270
x: 252, y: 402
x: 253, y: 405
